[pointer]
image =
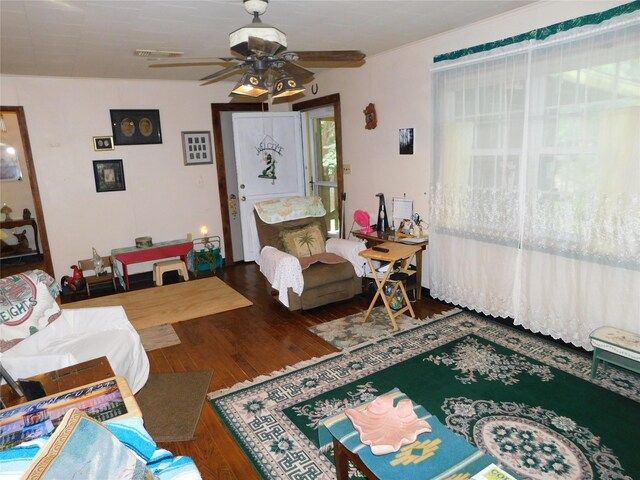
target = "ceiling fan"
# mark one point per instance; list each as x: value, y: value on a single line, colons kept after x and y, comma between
x: 267, y: 67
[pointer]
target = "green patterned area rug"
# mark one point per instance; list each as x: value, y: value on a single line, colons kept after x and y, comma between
x: 349, y: 332
x: 527, y: 402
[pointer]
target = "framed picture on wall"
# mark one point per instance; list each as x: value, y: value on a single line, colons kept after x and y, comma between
x: 109, y: 175
x: 136, y: 127
x: 406, y: 141
x: 196, y: 148
x: 102, y: 143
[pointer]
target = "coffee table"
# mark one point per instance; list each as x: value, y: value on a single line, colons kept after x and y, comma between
x: 63, y: 379
x: 440, y: 453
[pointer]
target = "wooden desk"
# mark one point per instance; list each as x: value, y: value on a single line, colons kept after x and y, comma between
x: 64, y: 379
x: 158, y: 251
x: 397, y: 252
x: 375, y: 238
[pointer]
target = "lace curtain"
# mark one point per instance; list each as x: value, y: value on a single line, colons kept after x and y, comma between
x: 536, y: 190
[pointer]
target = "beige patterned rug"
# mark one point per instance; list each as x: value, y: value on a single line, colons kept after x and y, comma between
x: 159, y: 336
x: 348, y: 332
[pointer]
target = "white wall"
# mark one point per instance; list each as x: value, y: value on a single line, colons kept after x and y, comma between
x: 163, y: 199
x: 398, y: 83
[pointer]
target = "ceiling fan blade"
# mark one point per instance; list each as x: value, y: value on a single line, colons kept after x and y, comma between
x: 221, y: 73
x: 263, y: 47
x: 296, y: 70
x: 187, y: 64
x: 329, y: 56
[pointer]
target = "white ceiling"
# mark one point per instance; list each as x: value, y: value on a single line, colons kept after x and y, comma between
x: 97, y: 38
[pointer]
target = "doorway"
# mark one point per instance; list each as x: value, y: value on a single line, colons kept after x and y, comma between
x: 225, y: 166
x: 227, y: 176
x: 324, y: 132
x: 320, y: 141
x: 21, y: 192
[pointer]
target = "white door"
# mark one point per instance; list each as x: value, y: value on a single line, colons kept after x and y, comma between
x: 269, y: 164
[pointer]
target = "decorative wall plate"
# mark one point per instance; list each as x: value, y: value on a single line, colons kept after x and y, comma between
x: 135, y: 127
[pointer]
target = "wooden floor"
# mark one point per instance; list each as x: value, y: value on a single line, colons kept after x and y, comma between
x: 240, y: 345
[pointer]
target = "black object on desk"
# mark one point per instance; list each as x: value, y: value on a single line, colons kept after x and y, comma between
x: 32, y: 389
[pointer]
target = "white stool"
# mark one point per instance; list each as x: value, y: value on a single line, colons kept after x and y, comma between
x: 169, y: 266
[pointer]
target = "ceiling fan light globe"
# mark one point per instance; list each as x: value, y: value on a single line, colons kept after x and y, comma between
x: 255, y: 6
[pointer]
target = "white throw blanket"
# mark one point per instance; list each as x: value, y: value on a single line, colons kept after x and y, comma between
x: 79, y: 335
x: 282, y: 271
x: 349, y: 249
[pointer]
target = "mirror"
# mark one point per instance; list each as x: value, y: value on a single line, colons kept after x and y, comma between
x: 23, y: 235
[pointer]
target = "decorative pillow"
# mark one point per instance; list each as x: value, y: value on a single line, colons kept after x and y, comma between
x: 82, y: 447
x: 303, y: 242
x: 27, y: 305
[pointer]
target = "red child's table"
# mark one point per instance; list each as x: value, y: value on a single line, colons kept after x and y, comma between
x: 128, y: 255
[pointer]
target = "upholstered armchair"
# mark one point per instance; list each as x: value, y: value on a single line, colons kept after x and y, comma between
x: 298, y: 261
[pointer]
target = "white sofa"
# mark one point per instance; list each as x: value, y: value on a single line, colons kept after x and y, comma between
x: 76, y: 335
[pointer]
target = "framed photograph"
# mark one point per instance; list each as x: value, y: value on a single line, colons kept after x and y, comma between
x: 406, y: 141
x: 109, y: 175
x: 103, y: 143
x: 136, y: 127
x: 196, y: 147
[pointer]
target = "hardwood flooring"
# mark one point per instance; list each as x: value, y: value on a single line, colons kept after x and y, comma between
x: 13, y: 266
x: 242, y: 344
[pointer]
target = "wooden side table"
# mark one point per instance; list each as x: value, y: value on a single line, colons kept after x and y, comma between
x: 615, y: 346
x: 375, y: 238
x: 396, y: 252
x: 64, y: 379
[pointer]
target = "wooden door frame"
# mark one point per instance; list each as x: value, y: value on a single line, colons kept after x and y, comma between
x: 333, y: 100
x: 33, y: 182
x: 216, y: 109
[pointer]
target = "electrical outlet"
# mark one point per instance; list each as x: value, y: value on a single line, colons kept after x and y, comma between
x: 346, y: 169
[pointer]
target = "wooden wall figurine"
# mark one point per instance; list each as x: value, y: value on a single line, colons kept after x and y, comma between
x: 370, y: 117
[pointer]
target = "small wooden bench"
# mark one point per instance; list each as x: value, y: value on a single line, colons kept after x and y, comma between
x: 615, y: 346
x: 159, y: 268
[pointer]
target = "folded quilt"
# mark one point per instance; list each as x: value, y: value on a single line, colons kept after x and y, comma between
x: 290, y: 208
